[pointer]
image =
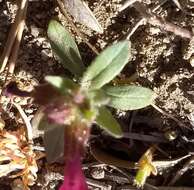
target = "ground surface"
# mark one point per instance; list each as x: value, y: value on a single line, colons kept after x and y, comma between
x: 161, y: 61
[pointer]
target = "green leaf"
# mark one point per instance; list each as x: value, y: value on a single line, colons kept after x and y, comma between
x: 53, y: 136
x: 106, y: 121
x: 65, y: 85
x: 65, y: 48
x: 44, y: 125
x: 54, y: 144
x: 40, y: 122
x: 107, y: 65
x: 129, y: 97
x: 98, y: 97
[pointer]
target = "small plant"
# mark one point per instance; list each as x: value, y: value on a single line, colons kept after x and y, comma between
x: 70, y: 107
x: 146, y: 168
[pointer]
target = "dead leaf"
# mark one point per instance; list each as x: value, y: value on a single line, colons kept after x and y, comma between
x: 81, y: 12
x: 17, y: 155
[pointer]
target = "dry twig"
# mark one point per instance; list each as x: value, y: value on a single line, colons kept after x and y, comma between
x: 16, y: 45
x: 159, y: 22
x: 142, y: 21
x: 127, y: 187
x: 176, y: 2
x: 12, y: 35
x: 148, y: 138
x: 170, y: 116
x: 155, y: 21
x: 126, y: 4
x: 180, y: 172
x: 98, y: 184
x: 26, y: 121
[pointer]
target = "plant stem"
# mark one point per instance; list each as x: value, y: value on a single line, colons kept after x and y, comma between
x: 12, y: 35
x: 26, y: 121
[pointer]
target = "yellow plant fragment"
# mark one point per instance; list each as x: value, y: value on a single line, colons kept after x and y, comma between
x: 2, y: 123
x: 146, y: 168
x: 14, y: 150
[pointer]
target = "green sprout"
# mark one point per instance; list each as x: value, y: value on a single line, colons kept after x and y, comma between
x: 69, y: 107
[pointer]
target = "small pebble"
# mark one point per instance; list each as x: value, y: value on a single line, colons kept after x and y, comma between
x: 97, y: 173
x: 192, y: 60
x: 34, y: 31
x: 154, y: 30
x: 171, y: 135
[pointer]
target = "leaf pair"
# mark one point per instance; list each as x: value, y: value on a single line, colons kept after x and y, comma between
x: 102, y: 70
